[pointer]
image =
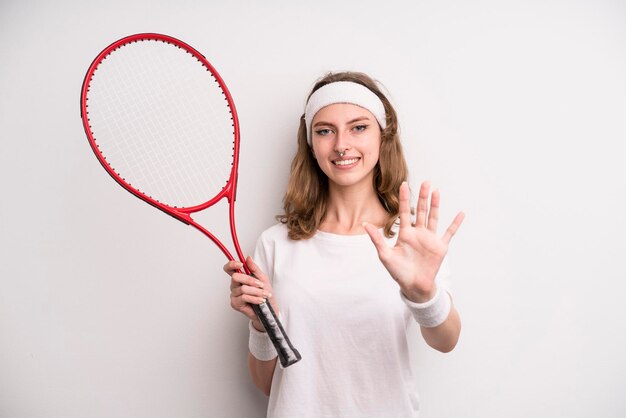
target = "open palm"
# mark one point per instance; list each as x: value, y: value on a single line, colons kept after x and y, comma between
x: 415, y: 259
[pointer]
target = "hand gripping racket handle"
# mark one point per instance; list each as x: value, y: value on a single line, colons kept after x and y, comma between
x: 286, y: 353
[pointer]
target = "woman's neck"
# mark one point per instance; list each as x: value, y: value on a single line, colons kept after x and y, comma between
x: 349, y: 207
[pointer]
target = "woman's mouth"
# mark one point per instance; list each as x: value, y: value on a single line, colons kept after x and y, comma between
x: 346, y: 162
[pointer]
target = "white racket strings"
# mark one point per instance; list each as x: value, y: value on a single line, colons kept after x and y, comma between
x: 162, y: 122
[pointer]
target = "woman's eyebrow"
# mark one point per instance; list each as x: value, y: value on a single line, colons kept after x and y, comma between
x: 321, y: 122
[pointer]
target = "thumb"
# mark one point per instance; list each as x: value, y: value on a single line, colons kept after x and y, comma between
x: 376, y: 237
x: 255, y: 269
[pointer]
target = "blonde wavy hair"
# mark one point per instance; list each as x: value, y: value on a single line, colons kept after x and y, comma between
x: 306, y: 199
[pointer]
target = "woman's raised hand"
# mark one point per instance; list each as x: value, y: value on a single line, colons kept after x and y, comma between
x: 246, y: 290
x: 415, y: 259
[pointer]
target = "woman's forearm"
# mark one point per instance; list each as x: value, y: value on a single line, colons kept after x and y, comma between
x: 261, y: 373
x: 445, y: 336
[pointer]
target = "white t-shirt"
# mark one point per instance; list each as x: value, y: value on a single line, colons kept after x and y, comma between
x: 343, y: 313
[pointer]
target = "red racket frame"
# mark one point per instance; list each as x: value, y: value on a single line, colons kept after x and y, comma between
x: 287, y: 354
x: 182, y: 214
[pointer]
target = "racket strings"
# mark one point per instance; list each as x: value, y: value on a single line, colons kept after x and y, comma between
x: 162, y: 122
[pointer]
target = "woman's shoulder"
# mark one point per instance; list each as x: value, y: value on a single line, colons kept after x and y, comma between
x: 276, y: 232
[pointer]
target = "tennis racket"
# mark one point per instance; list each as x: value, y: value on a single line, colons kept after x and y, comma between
x: 162, y: 123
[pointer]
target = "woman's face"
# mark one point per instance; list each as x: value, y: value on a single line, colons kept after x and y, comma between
x: 352, y: 130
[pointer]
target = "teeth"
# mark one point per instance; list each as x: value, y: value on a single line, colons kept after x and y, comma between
x: 346, y: 162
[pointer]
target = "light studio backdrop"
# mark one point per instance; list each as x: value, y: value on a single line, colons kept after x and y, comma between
x: 514, y: 109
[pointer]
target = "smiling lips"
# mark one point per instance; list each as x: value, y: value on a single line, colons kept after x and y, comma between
x: 342, y: 162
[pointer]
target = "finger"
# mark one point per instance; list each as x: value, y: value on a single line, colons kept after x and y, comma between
x: 433, y: 213
x: 405, y: 207
x: 454, y: 226
x: 232, y: 266
x: 250, y: 291
x: 256, y: 270
x: 260, y: 275
x: 422, y: 205
x: 377, y: 238
x: 242, y: 304
x: 248, y: 312
x: 254, y: 300
x: 244, y: 279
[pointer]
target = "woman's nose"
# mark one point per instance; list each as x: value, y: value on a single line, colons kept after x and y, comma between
x: 342, y: 142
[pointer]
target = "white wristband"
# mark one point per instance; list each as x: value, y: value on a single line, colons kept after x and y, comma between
x: 260, y: 345
x: 433, y: 312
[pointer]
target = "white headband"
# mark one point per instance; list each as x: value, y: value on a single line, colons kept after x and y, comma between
x: 343, y: 92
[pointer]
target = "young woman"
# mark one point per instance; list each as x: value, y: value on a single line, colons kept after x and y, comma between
x: 345, y: 276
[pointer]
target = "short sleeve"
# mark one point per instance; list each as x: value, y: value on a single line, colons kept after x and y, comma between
x: 264, y: 257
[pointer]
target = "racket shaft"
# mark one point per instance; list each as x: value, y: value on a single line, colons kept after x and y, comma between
x: 287, y: 354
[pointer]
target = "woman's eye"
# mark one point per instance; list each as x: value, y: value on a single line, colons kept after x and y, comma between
x: 323, y: 132
x: 360, y: 128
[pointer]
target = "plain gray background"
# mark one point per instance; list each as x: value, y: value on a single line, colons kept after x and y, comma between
x: 514, y: 109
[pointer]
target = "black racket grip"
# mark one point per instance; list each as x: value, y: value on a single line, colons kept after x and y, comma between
x: 286, y: 353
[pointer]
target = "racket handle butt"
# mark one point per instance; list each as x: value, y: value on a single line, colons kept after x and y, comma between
x: 287, y: 354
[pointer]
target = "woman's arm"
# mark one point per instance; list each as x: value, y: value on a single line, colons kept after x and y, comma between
x: 439, y: 321
x: 261, y: 371
x: 414, y: 261
x: 246, y: 290
x: 445, y: 336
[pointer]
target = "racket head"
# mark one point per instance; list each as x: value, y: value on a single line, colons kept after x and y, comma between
x: 162, y: 123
